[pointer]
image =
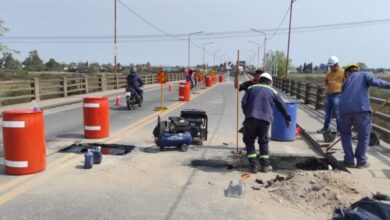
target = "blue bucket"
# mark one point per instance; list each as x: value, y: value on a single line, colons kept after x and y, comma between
x: 279, y: 130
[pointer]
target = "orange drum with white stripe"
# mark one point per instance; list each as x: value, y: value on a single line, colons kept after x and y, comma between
x: 24, y: 141
x: 96, y: 117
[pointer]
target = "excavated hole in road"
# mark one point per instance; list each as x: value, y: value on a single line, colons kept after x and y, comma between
x: 107, y: 149
x: 278, y: 162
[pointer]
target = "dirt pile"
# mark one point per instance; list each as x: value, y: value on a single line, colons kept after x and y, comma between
x: 321, y: 191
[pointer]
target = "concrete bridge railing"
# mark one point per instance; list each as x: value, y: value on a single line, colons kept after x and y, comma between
x: 315, y: 95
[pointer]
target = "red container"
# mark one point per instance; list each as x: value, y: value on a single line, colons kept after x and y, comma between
x: 221, y: 79
x: 96, y: 117
x: 200, y: 78
x: 214, y: 79
x: 184, y: 91
x: 209, y: 81
x: 24, y: 142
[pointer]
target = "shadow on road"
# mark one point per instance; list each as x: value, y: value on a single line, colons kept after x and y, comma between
x: 71, y: 136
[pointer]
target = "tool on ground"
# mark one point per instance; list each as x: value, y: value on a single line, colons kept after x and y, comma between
x: 236, y: 189
x: 118, y: 100
x: 190, y: 128
x: 331, y: 145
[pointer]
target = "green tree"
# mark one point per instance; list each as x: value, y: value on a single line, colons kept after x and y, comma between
x: 93, y: 68
x: 276, y: 62
x: 53, y: 65
x: 3, y: 30
x: 33, y: 62
x: 10, y: 63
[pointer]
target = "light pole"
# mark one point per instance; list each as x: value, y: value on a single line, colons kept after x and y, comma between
x: 189, y: 46
x: 258, y: 52
x: 288, y: 41
x: 207, y: 43
x: 265, y: 43
x: 115, y: 42
x: 253, y: 56
x: 215, y: 52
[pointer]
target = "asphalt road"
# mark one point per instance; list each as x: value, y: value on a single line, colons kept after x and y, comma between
x: 147, y: 183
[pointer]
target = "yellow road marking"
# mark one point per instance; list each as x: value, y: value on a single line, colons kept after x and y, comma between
x: 55, y: 168
x: 20, y: 179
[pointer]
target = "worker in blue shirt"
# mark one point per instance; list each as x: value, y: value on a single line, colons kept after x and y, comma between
x: 355, y: 109
x: 258, y: 104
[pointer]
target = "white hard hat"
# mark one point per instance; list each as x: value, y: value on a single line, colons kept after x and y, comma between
x: 266, y: 75
x: 333, y: 60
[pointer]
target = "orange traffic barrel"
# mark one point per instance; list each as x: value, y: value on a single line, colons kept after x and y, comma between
x: 214, y: 79
x: 96, y: 117
x: 184, y: 91
x: 209, y: 81
x: 24, y: 141
x: 200, y: 78
x: 221, y: 79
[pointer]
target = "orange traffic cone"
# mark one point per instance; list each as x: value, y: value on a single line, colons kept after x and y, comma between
x: 118, y: 101
x: 170, y: 87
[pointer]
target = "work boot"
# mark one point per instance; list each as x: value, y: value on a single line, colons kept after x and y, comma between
x: 362, y: 166
x: 253, y: 168
x: 323, y: 130
x: 349, y: 165
x: 266, y: 169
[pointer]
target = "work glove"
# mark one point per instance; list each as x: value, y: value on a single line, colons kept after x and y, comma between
x: 288, y: 120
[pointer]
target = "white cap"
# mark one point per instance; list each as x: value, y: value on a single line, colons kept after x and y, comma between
x: 266, y: 75
x: 333, y: 60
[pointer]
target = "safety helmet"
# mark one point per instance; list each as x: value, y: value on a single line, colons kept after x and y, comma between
x: 133, y: 70
x: 351, y: 66
x: 266, y: 75
x: 333, y: 60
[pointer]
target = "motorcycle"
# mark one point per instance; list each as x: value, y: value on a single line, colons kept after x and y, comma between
x: 132, y: 98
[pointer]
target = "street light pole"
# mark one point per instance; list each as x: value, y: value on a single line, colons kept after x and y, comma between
x: 265, y: 43
x: 288, y: 41
x: 215, y: 52
x: 253, y: 56
x: 189, y: 46
x: 258, y: 52
x: 204, y: 49
x: 115, y: 42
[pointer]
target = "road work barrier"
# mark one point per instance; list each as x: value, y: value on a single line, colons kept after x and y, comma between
x: 209, y: 81
x: 184, y: 91
x: 96, y: 117
x: 221, y: 78
x: 214, y: 79
x: 279, y: 129
x: 24, y: 141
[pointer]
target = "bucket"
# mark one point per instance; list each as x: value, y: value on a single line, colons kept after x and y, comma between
x: 279, y: 129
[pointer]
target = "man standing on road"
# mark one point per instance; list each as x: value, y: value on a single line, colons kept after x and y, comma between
x: 258, y: 104
x: 355, y: 109
x: 245, y: 85
x: 333, y: 82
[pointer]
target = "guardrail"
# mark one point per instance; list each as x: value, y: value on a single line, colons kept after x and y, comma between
x: 18, y: 91
x: 315, y: 95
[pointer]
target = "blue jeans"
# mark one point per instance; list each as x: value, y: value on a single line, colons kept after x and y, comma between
x: 362, y: 122
x: 332, y: 103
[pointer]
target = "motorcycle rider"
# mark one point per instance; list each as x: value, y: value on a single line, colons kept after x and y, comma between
x: 135, y: 83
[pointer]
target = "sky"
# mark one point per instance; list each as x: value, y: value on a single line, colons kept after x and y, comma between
x: 75, y: 30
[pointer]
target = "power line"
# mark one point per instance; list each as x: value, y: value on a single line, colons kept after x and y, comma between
x: 206, y: 36
x: 146, y: 21
x: 280, y: 24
